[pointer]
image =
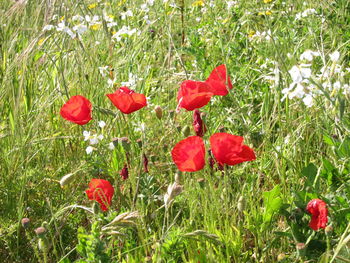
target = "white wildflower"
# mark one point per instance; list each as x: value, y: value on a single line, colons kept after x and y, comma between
x: 334, y: 56
x: 78, y: 18
x: 111, y: 146
x: 103, y: 71
x: 89, y: 149
x: 102, y: 124
x: 308, y: 100
x: 309, y: 55
x: 48, y: 27
x: 126, y: 14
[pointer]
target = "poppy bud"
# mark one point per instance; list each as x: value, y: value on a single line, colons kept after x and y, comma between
x: 159, y: 112
x: 145, y: 163
x: 186, y: 131
x: 125, y: 143
x: 124, y: 173
x: 328, y: 230
x: 40, y: 231
x: 198, y: 125
x: 25, y: 222
x: 300, y: 246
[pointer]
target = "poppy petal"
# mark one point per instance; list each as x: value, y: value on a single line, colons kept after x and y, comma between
x: 127, y: 101
x: 101, y: 191
x: 229, y: 149
x: 319, y: 214
x: 219, y: 81
x: 77, y: 110
x: 189, y: 154
x: 193, y: 95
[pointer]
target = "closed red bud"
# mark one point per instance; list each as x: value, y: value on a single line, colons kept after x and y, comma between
x: 198, y: 125
x: 159, y: 112
x: 145, y: 163
x: 124, y: 173
x: 25, y: 222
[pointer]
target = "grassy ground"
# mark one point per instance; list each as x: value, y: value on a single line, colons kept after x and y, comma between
x: 251, y: 212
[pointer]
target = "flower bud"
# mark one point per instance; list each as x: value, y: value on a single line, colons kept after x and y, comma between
x: 159, y: 112
x: 25, y: 222
x: 145, y: 163
x: 328, y: 230
x: 300, y: 246
x: 186, y: 131
x: 124, y: 173
x: 198, y: 125
x: 40, y: 231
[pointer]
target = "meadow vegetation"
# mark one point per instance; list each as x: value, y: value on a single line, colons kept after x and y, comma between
x: 289, y: 64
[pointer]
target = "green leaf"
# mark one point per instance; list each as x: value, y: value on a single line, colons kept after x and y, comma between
x: 273, y: 203
x: 310, y: 172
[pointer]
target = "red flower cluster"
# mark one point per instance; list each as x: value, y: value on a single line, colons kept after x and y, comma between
x: 101, y: 191
x: 189, y: 154
x: 196, y: 94
x: 78, y: 108
x: 319, y: 214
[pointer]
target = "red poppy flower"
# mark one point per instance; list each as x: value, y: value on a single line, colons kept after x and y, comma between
x: 189, y: 154
x: 229, y: 149
x: 77, y: 109
x: 319, y: 212
x: 101, y: 191
x: 198, y: 124
x: 127, y: 100
x: 193, y: 95
x: 219, y: 81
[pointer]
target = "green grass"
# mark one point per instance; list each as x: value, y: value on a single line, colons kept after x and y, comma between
x: 40, y: 70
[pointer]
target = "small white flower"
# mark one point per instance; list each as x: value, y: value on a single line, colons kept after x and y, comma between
x: 144, y: 8
x: 103, y: 71
x: 334, y: 56
x: 231, y: 4
x: 78, y: 18
x: 102, y: 124
x: 111, y: 146
x: 89, y: 149
x: 150, y: 2
x: 126, y: 14
x: 309, y: 55
x: 93, y: 140
x: 100, y: 137
x: 80, y: 29
x: 308, y: 101
x: 337, y: 85
x: 48, y: 27
x: 86, y: 135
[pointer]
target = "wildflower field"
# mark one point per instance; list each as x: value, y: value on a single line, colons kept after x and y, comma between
x: 174, y: 131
